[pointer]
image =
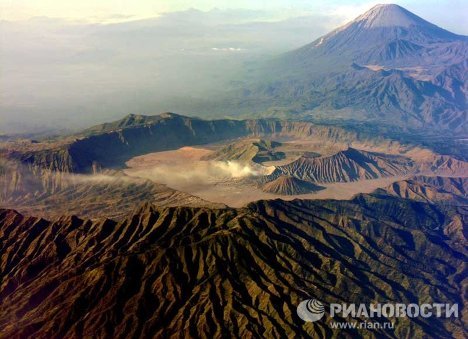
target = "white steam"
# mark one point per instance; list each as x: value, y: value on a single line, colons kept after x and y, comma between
x: 199, y: 173
x: 234, y: 169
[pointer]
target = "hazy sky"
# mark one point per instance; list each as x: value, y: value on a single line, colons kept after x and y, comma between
x: 63, y: 64
x: 448, y: 13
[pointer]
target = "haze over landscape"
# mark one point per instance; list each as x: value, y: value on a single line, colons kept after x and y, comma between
x: 64, y: 69
x: 169, y: 171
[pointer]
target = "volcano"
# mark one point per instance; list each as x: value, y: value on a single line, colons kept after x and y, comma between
x: 287, y: 185
x: 388, y: 67
x: 384, y: 28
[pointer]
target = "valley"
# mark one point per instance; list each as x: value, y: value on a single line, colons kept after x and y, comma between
x: 168, y: 159
x: 234, y: 185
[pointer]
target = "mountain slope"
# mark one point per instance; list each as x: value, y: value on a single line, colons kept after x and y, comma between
x: 387, y: 66
x: 345, y: 166
x: 430, y: 189
x: 110, y: 194
x: 287, y: 185
x: 200, y: 272
x: 112, y: 144
x: 248, y: 150
x: 385, y: 28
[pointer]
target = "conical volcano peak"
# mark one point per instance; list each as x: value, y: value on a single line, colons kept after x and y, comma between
x: 381, y: 25
x: 390, y: 15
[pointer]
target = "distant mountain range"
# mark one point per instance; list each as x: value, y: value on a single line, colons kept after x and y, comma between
x: 387, y: 67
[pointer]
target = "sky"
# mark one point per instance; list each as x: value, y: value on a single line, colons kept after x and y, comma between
x: 71, y: 64
x: 447, y: 13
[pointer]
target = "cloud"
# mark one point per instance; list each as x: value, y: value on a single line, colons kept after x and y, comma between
x: 227, y: 49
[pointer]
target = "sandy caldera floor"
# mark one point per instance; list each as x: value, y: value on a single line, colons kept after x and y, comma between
x: 224, y: 182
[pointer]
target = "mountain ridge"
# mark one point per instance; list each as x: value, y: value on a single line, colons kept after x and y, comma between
x: 245, y: 151
x: 289, y: 185
x: 431, y: 189
x: 111, y: 144
x: 163, y: 268
x: 345, y: 166
x: 389, y: 75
